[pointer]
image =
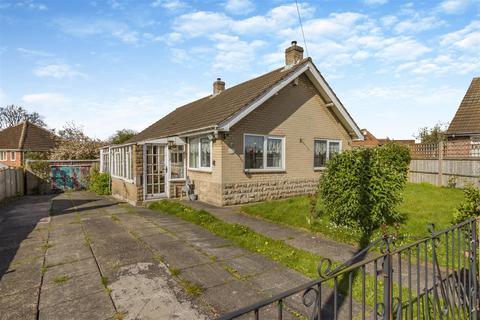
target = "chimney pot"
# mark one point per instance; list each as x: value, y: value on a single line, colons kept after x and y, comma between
x: 293, y: 54
x: 218, y: 86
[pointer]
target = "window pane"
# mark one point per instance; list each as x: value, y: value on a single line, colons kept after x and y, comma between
x: 193, y: 153
x: 253, y: 152
x: 333, y: 149
x: 177, y: 165
x: 205, y: 152
x: 274, y: 153
x: 320, y: 153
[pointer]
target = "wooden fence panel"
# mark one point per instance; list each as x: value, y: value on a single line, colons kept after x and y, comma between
x: 11, y: 183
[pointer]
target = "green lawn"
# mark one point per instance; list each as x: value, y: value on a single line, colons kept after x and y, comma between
x: 422, y: 204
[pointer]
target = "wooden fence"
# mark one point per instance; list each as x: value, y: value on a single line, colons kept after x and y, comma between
x: 448, y: 163
x: 11, y: 183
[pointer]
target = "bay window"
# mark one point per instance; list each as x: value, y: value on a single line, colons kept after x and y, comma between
x: 264, y: 152
x: 200, y: 153
x: 323, y: 150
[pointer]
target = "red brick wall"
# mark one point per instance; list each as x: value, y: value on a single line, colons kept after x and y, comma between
x: 13, y: 163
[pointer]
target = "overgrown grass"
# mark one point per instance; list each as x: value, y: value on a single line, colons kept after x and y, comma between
x: 422, y: 204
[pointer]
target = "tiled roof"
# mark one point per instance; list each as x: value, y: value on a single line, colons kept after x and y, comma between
x: 467, y: 118
x: 27, y: 136
x: 212, y: 110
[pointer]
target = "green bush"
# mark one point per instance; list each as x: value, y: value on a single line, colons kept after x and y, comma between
x: 471, y: 206
x: 361, y: 188
x: 98, y: 182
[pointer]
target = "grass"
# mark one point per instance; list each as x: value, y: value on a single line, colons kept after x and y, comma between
x: 192, y: 289
x: 60, y: 279
x: 422, y: 204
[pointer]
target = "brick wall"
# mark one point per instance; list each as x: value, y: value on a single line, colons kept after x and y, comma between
x: 13, y: 163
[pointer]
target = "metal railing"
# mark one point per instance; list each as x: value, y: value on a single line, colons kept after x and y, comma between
x: 435, y: 277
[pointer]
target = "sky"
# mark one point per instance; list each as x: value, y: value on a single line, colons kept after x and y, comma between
x: 111, y: 64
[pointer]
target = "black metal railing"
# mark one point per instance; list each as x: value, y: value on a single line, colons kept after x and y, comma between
x: 435, y: 277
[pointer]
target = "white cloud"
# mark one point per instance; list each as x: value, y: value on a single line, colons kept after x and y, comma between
x: 58, y: 71
x: 388, y: 20
x: 47, y: 99
x: 239, y: 7
x: 418, y: 24
x: 455, y: 6
x: 401, y: 48
x: 201, y: 23
x: 375, y: 2
x: 102, y: 27
x: 32, y: 5
x: 33, y: 53
x: 466, y: 39
x: 169, y: 4
x: 234, y: 54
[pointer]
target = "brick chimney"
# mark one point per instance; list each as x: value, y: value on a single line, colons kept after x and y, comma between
x: 218, y: 86
x: 293, y: 54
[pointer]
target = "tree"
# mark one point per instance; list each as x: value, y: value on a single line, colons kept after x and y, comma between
x: 74, y: 144
x: 12, y: 115
x: 434, y: 134
x: 121, y: 136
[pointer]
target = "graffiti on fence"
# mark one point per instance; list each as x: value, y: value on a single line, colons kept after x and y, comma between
x: 67, y: 177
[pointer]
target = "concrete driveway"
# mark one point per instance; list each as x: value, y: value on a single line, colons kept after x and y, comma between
x: 81, y: 256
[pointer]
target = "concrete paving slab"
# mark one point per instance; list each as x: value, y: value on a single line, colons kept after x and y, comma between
x: 207, y: 275
x: 180, y: 256
x: 20, y: 306
x: 250, y: 265
x: 73, y: 269
x: 18, y: 279
x: 145, y: 232
x: 67, y: 252
x: 73, y: 288
x: 232, y: 296
x: 144, y: 291
x: 224, y: 253
x: 94, y: 306
x: 160, y: 241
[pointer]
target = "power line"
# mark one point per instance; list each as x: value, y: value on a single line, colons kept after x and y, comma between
x: 301, y: 27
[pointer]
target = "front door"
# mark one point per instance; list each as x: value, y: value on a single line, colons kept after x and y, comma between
x: 155, y: 171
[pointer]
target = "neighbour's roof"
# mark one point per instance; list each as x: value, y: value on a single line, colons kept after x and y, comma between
x: 27, y: 136
x: 214, y: 109
x: 369, y: 140
x: 467, y: 118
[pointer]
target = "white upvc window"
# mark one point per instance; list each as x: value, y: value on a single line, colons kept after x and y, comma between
x: 200, y: 154
x: 3, y: 155
x: 121, y: 163
x: 13, y: 156
x: 264, y: 153
x: 323, y: 150
x: 177, y: 163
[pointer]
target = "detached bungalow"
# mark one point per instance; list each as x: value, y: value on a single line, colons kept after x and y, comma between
x: 266, y: 138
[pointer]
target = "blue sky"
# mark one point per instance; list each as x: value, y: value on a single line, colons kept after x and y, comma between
x: 115, y: 64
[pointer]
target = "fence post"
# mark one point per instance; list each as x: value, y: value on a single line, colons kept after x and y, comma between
x: 440, y: 163
x: 387, y: 282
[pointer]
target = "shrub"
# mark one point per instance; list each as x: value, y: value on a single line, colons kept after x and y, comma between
x: 361, y: 188
x: 471, y: 206
x: 98, y: 182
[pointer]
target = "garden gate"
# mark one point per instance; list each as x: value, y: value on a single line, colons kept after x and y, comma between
x: 435, y: 277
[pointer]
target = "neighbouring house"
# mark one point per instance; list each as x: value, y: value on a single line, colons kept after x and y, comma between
x: 370, y: 141
x: 267, y: 138
x: 463, y: 133
x: 466, y: 122
x: 16, y: 141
